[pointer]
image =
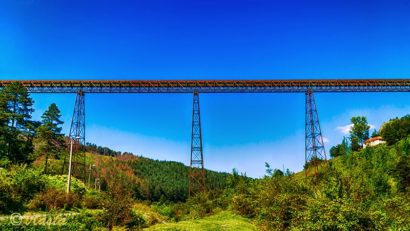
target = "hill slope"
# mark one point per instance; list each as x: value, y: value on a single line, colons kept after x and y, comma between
x: 168, y: 180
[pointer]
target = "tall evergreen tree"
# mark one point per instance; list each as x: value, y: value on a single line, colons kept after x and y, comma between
x: 15, y: 121
x: 49, y: 141
x: 16, y: 106
x: 3, y: 132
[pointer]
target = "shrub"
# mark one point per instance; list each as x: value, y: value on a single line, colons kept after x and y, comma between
x: 151, y: 214
x: 200, y: 205
x: 164, y: 209
x: 83, y: 221
x: 136, y: 220
x: 8, y: 201
x: 54, y: 199
x: 244, y: 205
x: 179, y: 211
x: 339, y: 214
x: 92, y: 200
x: 17, y: 186
x: 60, y: 182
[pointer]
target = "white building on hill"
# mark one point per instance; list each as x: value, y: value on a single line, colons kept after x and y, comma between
x: 373, y: 142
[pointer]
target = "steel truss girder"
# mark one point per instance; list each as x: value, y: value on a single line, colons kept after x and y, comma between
x: 214, y: 86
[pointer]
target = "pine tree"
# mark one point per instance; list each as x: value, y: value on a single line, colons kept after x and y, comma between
x: 15, y: 121
x: 16, y: 105
x: 49, y: 141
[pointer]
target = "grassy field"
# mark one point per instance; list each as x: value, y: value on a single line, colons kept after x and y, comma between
x: 222, y: 221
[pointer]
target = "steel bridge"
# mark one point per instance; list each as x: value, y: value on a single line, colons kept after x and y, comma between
x: 214, y: 86
x: 314, y: 146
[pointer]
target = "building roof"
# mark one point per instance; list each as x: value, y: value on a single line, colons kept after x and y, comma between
x: 373, y: 139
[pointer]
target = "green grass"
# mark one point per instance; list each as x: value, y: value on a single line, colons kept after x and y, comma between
x: 222, y: 221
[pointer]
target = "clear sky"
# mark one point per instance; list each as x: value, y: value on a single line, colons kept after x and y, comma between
x: 213, y: 39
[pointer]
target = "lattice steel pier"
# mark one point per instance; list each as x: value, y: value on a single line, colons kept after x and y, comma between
x: 314, y: 146
x: 77, y: 135
x: 196, y: 171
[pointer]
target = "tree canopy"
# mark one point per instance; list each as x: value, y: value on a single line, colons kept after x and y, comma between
x: 395, y: 129
x: 48, y: 140
x: 359, y: 132
x: 17, y: 129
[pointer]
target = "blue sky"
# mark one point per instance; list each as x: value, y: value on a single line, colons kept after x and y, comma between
x: 70, y: 39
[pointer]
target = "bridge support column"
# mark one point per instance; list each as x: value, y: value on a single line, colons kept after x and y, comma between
x: 314, y: 146
x: 196, y: 171
x: 76, y: 165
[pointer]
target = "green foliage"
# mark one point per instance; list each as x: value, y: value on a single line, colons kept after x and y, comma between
x: 220, y: 221
x: 90, y: 147
x: 168, y: 180
x: 121, y: 183
x: 54, y: 199
x: 375, y: 133
x: 338, y: 214
x: 269, y: 170
x: 22, y: 187
x: 83, y: 221
x: 18, y: 185
x: 396, y: 129
x: 200, y: 205
x: 312, y: 161
x: 15, y: 106
x: 164, y: 209
x: 359, y: 132
x: 60, y: 182
x: 16, y: 128
x: 340, y: 149
x: 93, y: 200
x: 156, y: 213
x: 48, y: 140
x: 366, y: 190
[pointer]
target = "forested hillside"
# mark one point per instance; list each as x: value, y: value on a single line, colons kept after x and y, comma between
x: 365, y: 190
x: 168, y: 180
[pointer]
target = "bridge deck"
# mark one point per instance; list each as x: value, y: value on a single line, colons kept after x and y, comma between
x: 214, y: 86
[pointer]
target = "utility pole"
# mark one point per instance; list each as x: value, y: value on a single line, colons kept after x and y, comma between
x: 69, y: 167
x: 89, y: 174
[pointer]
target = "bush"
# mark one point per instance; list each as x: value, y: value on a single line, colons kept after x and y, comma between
x: 200, y: 205
x: 60, y: 182
x: 54, y: 199
x: 164, y: 209
x: 136, y: 220
x: 92, y: 200
x: 151, y: 214
x: 244, y: 205
x: 179, y: 211
x: 8, y: 201
x: 339, y: 214
x: 18, y: 185
x: 84, y: 221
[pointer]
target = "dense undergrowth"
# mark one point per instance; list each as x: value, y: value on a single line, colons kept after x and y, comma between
x: 365, y: 190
